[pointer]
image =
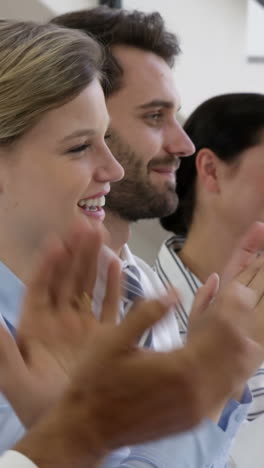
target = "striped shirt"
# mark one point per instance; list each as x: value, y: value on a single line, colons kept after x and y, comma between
x: 173, y: 272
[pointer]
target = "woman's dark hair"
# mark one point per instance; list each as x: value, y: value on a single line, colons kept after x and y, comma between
x: 227, y: 125
x: 112, y: 27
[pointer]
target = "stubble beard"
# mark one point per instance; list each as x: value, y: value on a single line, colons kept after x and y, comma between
x: 135, y: 197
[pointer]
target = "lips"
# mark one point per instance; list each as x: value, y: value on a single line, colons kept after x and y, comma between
x: 167, y: 168
x: 92, y: 206
x: 164, y: 170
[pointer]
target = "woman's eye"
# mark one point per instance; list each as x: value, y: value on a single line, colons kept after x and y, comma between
x: 107, y: 137
x: 79, y: 148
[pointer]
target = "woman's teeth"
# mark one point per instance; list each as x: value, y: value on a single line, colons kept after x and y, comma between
x: 92, y: 204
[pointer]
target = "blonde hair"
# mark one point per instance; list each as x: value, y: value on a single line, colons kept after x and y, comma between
x: 41, y: 67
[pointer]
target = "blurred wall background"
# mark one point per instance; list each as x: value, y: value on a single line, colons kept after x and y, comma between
x: 213, y: 37
x: 24, y: 10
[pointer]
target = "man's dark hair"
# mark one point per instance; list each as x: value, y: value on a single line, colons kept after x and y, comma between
x: 228, y: 125
x: 121, y: 27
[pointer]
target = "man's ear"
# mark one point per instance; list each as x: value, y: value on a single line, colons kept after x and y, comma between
x: 207, y: 166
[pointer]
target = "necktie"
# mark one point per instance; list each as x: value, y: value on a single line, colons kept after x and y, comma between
x: 132, y: 291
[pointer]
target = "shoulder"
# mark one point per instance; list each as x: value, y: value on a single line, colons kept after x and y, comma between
x: 149, y: 275
x: 170, y: 247
x: 168, y: 265
x: 150, y: 281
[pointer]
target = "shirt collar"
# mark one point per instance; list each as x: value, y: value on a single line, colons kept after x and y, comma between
x: 172, y: 264
x: 11, y: 293
x: 175, y: 242
x: 127, y: 257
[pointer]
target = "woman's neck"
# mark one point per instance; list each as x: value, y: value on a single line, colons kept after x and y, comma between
x: 207, y: 248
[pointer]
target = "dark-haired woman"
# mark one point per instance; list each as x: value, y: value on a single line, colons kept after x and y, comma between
x: 221, y: 193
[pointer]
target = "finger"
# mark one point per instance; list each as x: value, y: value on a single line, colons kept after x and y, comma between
x: 40, y: 288
x: 250, y: 244
x: 59, y: 275
x: 205, y: 295
x: 257, y: 282
x: 67, y: 271
x: 89, y: 262
x: 110, y: 308
x: 258, y: 329
x: 249, y: 276
x: 106, y: 237
x: 12, y: 367
x: 83, y: 248
x: 143, y: 316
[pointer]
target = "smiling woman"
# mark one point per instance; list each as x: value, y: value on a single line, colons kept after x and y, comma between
x: 53, y: 123
x: 221, y: 193
x: 55, y: 166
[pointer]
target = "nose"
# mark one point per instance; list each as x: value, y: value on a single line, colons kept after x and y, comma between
x: 177, y: 141
x: 109, y: 169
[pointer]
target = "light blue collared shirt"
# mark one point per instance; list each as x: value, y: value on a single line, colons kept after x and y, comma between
x: 11, y: 293
x: 207, y: 446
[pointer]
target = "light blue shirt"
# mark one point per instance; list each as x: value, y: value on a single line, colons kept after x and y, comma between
x: 207, y: 446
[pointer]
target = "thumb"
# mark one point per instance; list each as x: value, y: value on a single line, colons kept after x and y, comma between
x: 204, y: 296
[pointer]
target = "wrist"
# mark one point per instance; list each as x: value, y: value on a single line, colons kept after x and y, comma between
x: 238, y: 394
x: 58, y: 441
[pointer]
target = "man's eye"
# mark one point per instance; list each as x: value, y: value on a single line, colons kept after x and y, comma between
x: 79, y: 148
x: 154, y: 117
x: 107, y: 137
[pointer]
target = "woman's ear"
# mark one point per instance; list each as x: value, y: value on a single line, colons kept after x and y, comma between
x: 207, y: 167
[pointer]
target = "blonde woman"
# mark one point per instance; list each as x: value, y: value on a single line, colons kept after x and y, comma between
x: 55, y: 166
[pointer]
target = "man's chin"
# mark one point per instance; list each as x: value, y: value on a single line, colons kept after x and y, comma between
x: 171, y: 202
x: 163, y: 185
x: 151, y: 201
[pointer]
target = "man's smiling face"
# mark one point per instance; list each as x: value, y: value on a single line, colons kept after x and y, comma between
x: 146, y: 137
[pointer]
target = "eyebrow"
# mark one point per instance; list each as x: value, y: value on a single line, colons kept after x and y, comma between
x: 158, y: 103
x: 78, y: 133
